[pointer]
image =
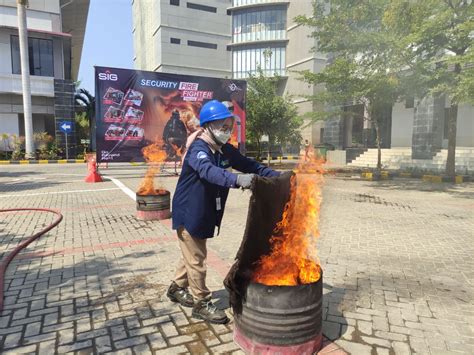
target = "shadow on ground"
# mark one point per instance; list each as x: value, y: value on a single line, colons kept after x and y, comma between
x: 13, y: 230
x: 221, y: 298
x: 332, y: 307
x: 465, y: 190
x: 16, y: 174
x: 18, y: 186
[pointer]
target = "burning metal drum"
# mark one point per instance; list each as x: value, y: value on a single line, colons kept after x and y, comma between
x: 281, y: 319
x: 153, y: 207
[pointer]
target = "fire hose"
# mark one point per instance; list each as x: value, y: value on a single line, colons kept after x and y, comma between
x: 4, y: 263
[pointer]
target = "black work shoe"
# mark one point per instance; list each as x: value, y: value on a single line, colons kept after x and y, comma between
x: 180, y: 295
x: 205, y: 309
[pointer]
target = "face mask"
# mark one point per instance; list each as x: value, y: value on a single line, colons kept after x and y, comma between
x: 221, y: 136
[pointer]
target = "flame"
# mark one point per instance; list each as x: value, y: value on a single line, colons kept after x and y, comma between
x: 154, y: 156
x: 177, y: 150
x: 293, y: 258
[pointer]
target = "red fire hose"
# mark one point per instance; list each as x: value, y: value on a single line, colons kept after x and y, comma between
x: 4, y: 263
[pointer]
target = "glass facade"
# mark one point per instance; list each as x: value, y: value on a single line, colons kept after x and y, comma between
x: 40, y: 53
x: 246, y: 60
x: 259, y: 24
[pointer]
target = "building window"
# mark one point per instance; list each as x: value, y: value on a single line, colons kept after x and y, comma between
x: 174, y: 2
x: 40, y: 53
x: 246, y: 61
x: 194, y: 6
x: 175, y: 40
x: 202, y: 44
x: 259, y: 24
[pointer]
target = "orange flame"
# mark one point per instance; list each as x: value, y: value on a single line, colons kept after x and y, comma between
x: 293, y: 258
x: 154, y: 156
x: 177, y: 150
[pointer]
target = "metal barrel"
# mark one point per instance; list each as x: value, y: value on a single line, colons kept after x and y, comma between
x: 282, y: 315
x: 153, y: 202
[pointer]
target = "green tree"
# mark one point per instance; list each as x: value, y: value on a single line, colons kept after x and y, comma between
x: 82, y: 126
x: 269, y: 114
x: 5, y: 137
x: 85, y: 101
x: 434, y: 39
x: 361, y: 69
x: 6, y: 141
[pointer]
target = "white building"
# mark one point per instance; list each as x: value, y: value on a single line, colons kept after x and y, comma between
x: 265, y: 34
x: 231, y: 38
x: 228, y: 38
x: 55, y: 37
x: 182, y: 37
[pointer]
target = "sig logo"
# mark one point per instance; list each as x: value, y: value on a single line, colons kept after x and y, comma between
x: 233, y: 87
x: 108, y: 76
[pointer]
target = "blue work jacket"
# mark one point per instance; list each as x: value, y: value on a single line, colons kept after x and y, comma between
x: 204, y: 185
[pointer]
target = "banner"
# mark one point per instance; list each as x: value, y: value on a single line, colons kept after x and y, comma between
x: 136, y: 108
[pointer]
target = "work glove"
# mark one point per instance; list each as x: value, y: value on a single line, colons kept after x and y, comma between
x: 245, y: 180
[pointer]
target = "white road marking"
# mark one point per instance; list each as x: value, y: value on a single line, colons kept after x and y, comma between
x: 57, y: 192
x: 122, y: 187
x: 67, y: 174
x: 33, y: 182
x: 28, y: 178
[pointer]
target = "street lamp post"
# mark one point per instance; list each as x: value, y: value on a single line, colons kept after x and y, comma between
x: 25, y: 78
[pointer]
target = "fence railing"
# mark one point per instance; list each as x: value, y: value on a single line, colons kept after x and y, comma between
x: 272, y: 155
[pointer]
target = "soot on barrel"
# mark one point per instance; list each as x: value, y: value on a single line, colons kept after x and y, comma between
x: 280, y: 319
x: 153, y: 207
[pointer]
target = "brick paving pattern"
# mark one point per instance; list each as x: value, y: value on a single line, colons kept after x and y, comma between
x: 397, y: 260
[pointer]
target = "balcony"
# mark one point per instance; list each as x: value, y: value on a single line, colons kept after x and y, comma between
x: 40, y: 85
x: 266, y: 72
x: 240, y: 4
x: 259, y: 32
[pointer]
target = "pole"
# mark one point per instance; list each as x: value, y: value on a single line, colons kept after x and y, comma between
x: 25, y: 78
x: 67, y: 150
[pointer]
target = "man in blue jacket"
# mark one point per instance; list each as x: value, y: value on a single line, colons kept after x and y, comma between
x: 199, y: 202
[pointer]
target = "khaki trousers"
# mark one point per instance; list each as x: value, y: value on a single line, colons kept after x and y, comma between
x: 192, y: 268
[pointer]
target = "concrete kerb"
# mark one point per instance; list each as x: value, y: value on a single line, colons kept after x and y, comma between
x: 42, y: 161
x: 373, y: 175
x: 288, y: 157
x: 386, y: 175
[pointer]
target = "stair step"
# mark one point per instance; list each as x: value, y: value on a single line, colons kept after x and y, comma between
x: 397, y: 158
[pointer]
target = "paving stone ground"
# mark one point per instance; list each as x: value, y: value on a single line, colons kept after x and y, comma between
x: 397, y: 259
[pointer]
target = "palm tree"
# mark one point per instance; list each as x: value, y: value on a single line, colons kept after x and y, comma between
x: 86, y: 101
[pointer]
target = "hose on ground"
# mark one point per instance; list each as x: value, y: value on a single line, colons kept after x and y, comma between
x: 5, y: 261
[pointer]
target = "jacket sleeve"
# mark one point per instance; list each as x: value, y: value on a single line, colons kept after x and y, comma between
x: 246, y: 165
x: 201, y: 162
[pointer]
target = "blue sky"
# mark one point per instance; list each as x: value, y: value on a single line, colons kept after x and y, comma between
x: 108, y: 39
